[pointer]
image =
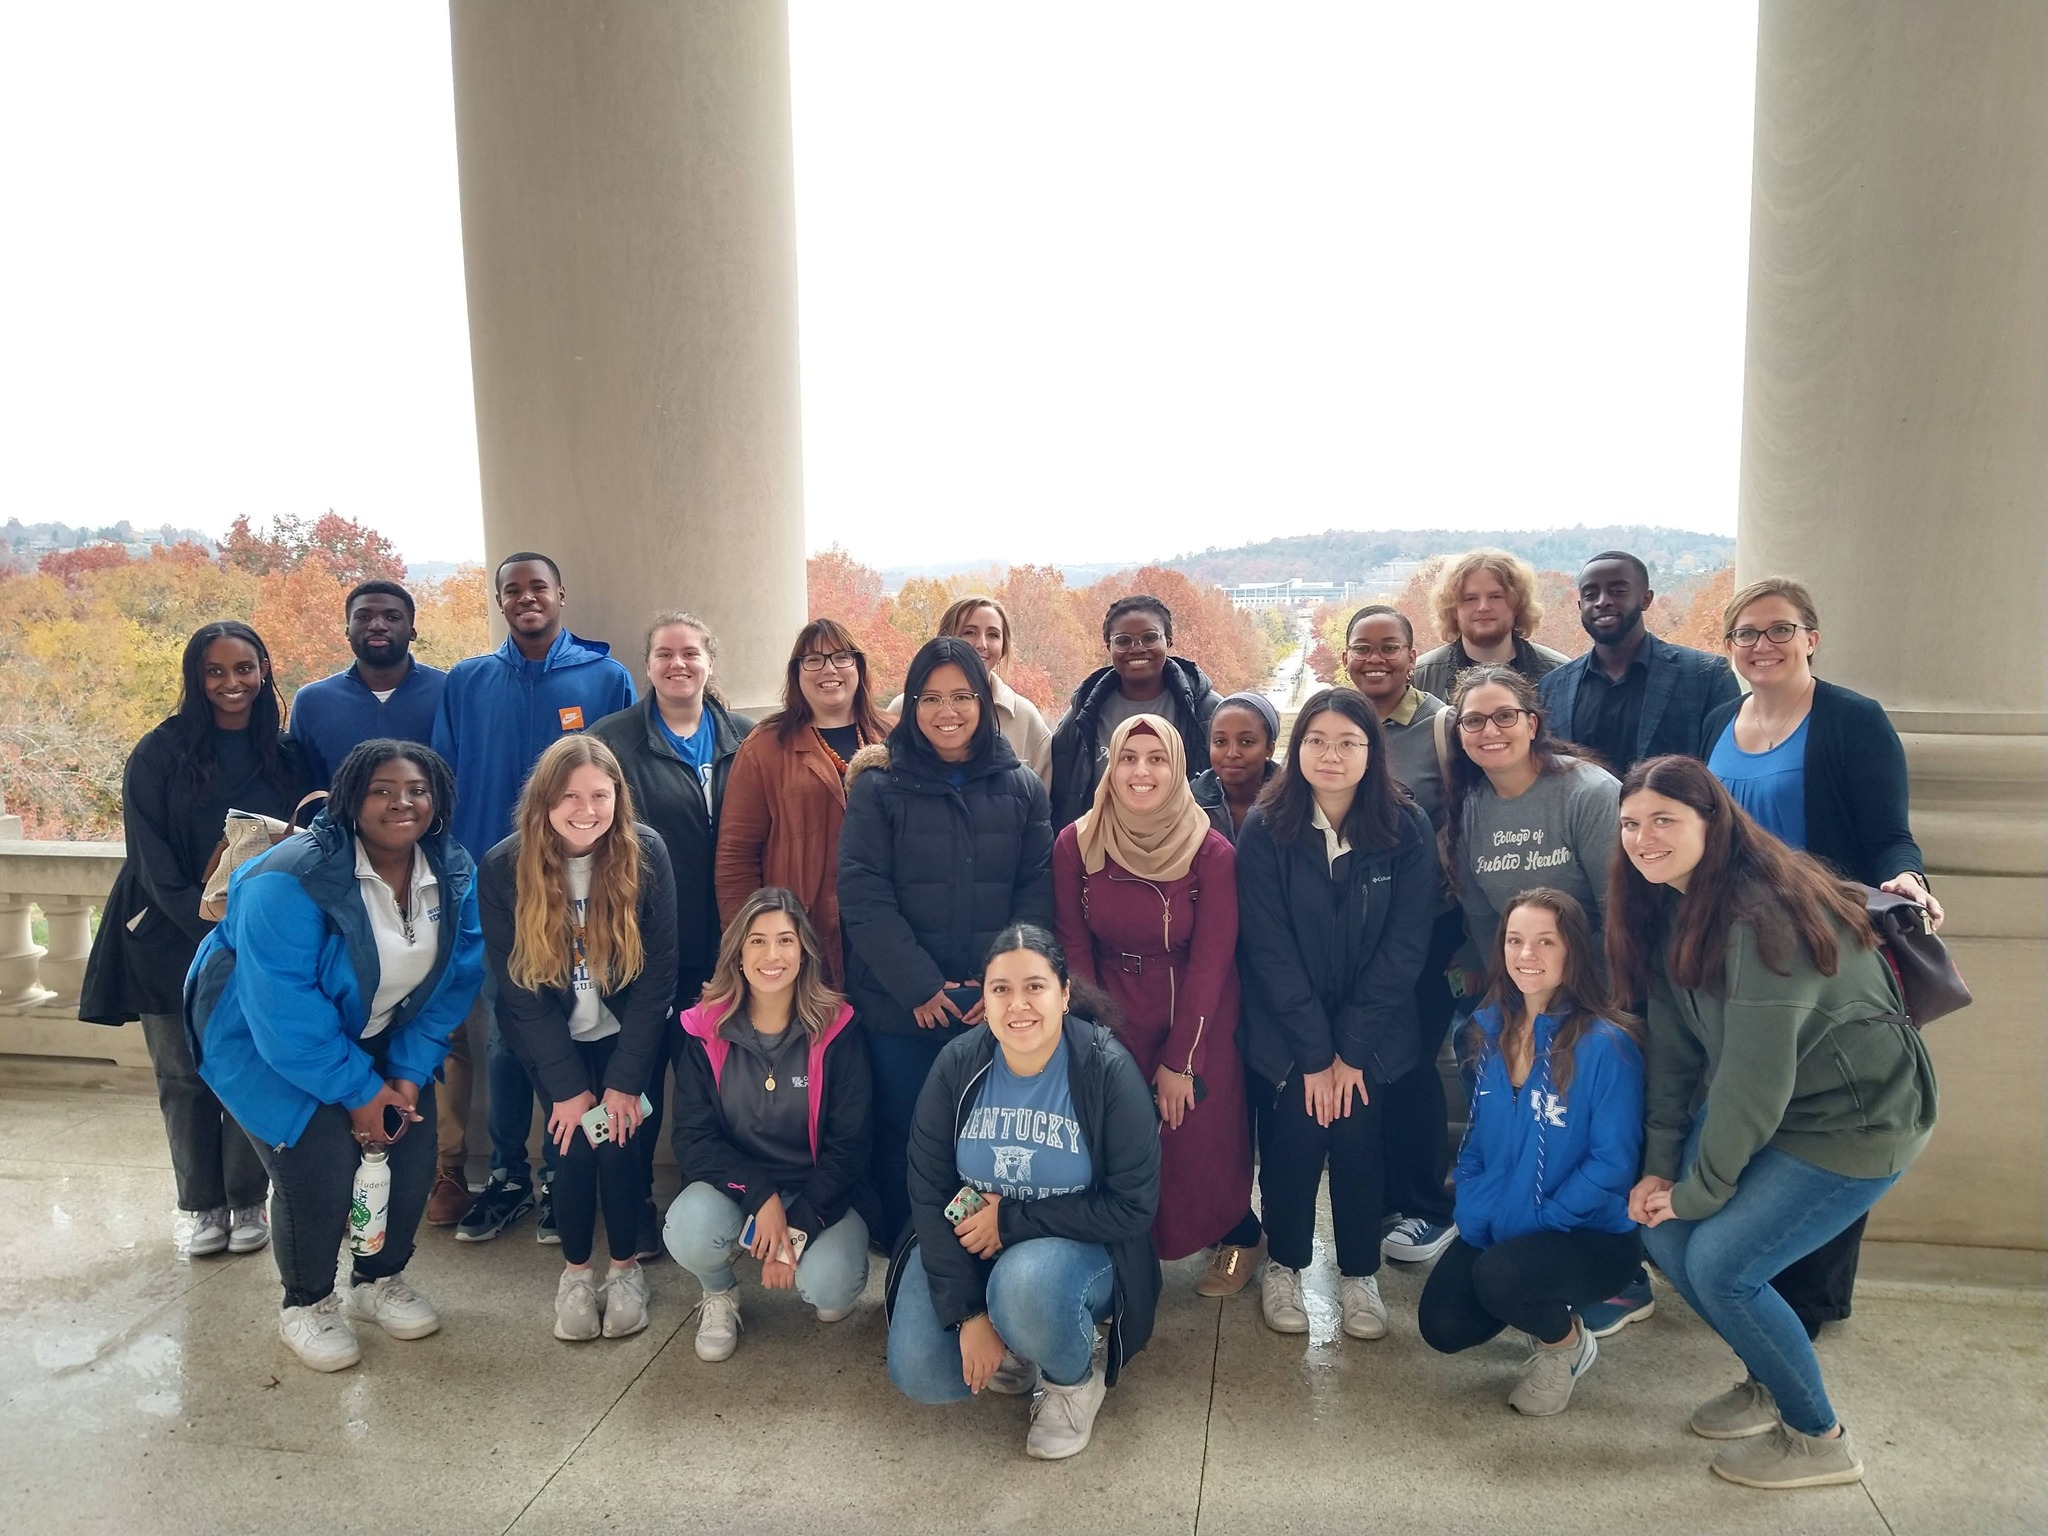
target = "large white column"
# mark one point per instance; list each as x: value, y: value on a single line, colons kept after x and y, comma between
x: 629, y: 237
x: 1895, y: 458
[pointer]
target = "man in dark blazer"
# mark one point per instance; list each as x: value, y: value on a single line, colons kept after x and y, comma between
x: 1633, y: 696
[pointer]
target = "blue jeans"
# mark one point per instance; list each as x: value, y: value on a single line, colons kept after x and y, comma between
x: 1783, y: 1208
x: 704, y: 1225
x: 513, y: 1095
x: 1044, y: 1296
x: 899, y: 1064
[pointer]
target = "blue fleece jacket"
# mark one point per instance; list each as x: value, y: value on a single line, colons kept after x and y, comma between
x: 500, y: 712
x: 334, y: 716
x: 1541, y: 1161
x: 277, y: 998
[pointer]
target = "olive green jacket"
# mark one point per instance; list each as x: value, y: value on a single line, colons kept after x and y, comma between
x: 1805, y: 1063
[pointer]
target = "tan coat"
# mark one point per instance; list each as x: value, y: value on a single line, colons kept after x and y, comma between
x: 779, y: 825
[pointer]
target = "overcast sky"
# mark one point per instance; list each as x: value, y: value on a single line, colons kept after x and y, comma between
x: 1078, y: 282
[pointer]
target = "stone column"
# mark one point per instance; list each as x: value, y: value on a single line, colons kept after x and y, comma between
x: 1895, y: 458
x: 628, y: 225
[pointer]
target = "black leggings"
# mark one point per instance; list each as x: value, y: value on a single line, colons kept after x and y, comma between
x: 1533, y: 1282
x: 609, y: 1172
x: 1292, y: 1152
x: 311, y: 1182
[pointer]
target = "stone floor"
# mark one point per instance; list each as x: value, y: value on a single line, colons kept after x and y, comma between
x: 142, y: 1393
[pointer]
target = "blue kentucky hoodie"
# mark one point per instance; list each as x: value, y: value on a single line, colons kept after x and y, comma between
x: 500, y: 712
x: 1544, y: 1161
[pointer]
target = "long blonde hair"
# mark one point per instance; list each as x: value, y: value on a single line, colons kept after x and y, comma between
x: 815, y: 1004
x: 544, y: 932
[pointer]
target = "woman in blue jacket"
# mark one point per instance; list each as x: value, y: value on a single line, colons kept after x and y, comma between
x: 1551, y: 1151
x: 320, y: 1009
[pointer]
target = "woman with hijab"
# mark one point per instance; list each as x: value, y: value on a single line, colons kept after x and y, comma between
x: 947, y: 842
x: 1145, y: 903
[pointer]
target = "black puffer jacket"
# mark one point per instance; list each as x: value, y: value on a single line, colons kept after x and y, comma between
x: 669, y: 797
x: 1329, y: 961
x: 1189, y: 700
x: 930, y: 873
x: 1113, y: 1103
x: 1209, y: 796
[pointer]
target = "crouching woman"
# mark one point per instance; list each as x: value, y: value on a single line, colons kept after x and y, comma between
x: 1551, y: 1151
x: 771, y: 1125
x: 1034, y: 1178
x: 320, y: 1009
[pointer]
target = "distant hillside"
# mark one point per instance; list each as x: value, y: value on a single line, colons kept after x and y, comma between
x: 23, y: 544
x: 1348, y: 553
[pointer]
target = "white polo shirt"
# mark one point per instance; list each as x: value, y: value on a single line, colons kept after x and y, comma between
x: 402, y: 962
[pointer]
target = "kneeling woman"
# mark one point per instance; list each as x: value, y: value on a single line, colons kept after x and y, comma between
x: 1555, y: 1138
x: 771, y: 1125
x: 320, y: 1009
x: 1034, y: 1178
x: 579, y: 918
x: 1772, y: 1010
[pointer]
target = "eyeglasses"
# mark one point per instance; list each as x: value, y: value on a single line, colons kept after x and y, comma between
x: 962, y: 701
x: 1504, y: 717
x: 1323, y: 746
x: 816, y: 661
x: 1387, y: 648
x: 1746, y: 637
x: 1150, y: 638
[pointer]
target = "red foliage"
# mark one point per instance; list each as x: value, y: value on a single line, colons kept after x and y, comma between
x: 347, y: 550
x: 72, y: 566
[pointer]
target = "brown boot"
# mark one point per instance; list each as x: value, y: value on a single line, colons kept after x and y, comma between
x: 1230, y: 1269
x: 449, y: 1200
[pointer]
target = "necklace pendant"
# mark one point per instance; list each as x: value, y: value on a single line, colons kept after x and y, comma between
x: 770, y: 1083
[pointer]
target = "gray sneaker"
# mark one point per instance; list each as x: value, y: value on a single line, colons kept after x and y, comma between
x: 1014, y: 1377
x: 1745, y: 1409
x: 1063, y: 1418
x: 1550, y: 1374
x: 577, y: 1308
x: 1785, y: 1458
x: 625, y: 1302
x: 1280, y: 1299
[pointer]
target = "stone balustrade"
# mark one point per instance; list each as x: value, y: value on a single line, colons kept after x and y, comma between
x: 39, y: 983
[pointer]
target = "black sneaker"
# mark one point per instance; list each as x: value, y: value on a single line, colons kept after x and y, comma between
x: 503, y: 1201
x: 545, y: 1231
x: 647, y: 1247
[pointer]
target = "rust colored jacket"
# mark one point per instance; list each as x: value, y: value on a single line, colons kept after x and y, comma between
x: 779, y: 825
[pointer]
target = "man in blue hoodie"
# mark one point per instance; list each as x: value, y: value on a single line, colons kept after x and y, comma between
x: 498, y: 714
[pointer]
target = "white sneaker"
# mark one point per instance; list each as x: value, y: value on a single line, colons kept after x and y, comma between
x: 1365, y: 1315
x: 393, y: 1306
x: 835, y: 1314
x: 718, y: 1326
x: 1063, y: 1418
x: 199, y: 1233
x: 625, y: 1302
x: 1014, y: 1377
x: 319, y: 1335
x: 248, y: 1228
x: 577, y: 1307
x: 1280, y: 1299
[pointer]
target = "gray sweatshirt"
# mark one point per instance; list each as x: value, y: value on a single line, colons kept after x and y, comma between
x: 1561, y: 831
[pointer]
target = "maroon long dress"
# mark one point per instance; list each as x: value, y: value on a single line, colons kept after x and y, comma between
x: 1167, y: 953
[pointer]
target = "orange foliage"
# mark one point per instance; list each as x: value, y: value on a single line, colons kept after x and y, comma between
x: 1693, y: 611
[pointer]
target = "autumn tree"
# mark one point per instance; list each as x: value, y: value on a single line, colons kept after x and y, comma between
x: 453, y: 618
x: 1051, y: 647
x: 1691, y: 613
x: 348, y: 550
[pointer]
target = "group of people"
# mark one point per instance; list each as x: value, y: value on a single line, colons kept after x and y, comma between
x: 1015, y: 1005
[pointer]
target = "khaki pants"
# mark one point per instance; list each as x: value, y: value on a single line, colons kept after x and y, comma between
x: 451, y: 1103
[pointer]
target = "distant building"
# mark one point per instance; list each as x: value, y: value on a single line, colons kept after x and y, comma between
x: 1255, y: 595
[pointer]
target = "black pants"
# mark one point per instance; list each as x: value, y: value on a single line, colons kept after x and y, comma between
x: 1292, y: 1152
x: 213, y: 1161
x: 310, y: 1185
x: 1820, y: 1286
x: 648, y: 1138
x: 613, y: 1174
x: 1414, y: 1113
x: 1534, y: 1283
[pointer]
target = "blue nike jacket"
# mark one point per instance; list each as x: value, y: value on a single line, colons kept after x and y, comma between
x: 276, y: 1000
x: 1541, y: 1161
x: 500, y: 712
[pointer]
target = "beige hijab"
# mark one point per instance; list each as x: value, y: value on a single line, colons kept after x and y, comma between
x: 1159, y: 844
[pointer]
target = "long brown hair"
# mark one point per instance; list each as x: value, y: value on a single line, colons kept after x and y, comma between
x: 815, y: 1004
x: 790, y: 720
x: 544, y: 931
x: 1582, y: 999
x: 1551, y: 754
x: 1745, y: 875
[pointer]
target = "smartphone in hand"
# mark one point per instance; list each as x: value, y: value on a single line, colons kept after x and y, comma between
x: 597, y: 1125
x: 964, y: 1204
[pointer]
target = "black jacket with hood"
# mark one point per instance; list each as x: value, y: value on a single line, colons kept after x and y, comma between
x: 1113, y: 1104
x: 669, y: 797
x: 930, y: 871
x: 1189, y: 700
